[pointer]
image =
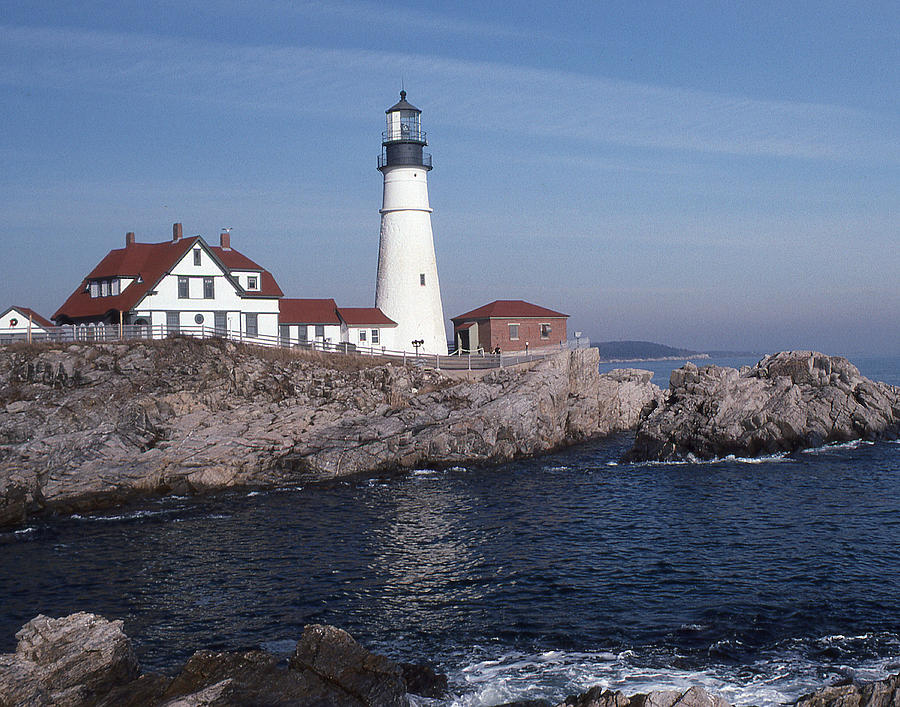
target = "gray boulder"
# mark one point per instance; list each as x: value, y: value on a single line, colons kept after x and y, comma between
x: 789, y: 401
x: 363, y: 678
x: 881, y: 693
x: 75, y: 660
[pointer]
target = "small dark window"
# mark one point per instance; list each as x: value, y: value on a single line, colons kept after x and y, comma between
x: 513, y: 331
x: 545, y: 331
x: 422, y: 279
x: 209, y: 288
x: 320, y: 331
x: 362, y: 335
x: 172, y: 322
x: 197, y: 256
x: 252, y: 325
x: 252, y: 282
x: 375, y: 336
x: 183, y: 287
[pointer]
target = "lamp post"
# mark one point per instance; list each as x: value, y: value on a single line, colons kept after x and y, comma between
x: 417, y: 343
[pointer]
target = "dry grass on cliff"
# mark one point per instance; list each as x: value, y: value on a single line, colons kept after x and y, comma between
x: 332, y: 360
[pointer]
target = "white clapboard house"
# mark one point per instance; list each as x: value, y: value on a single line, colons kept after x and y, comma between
x: 21, y: 323
x: 182, y: 285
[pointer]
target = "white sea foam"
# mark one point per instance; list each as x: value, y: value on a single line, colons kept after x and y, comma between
x: 134, y: 515
x: 852, y: 444
x: 458, y: 468
x: 424, y: 472
x: 557, y: 468
x: 782, y: 676
x: 252, y: 494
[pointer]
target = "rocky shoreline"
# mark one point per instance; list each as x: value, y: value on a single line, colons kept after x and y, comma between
x: 788, y: 401
x: 90, y: 426
x: 85, y: 660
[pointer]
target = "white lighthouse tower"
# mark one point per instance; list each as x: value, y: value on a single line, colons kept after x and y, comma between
x: 407, y: 288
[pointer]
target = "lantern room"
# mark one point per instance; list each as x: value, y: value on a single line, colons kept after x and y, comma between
x: 402, y: 141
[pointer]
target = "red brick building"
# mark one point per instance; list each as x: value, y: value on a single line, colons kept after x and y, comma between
x: 511, y: 325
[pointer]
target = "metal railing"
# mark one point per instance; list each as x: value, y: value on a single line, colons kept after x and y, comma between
x: 459, y: 360
x: 403, y: 134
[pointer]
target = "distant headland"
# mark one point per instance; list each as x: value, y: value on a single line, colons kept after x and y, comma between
x: 615, y: 351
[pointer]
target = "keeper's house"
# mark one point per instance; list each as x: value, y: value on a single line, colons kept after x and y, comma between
x: 16, y: 323
x: 182, y: 284
x: 511, y: 325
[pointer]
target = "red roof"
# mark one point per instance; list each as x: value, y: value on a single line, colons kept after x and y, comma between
x: 307, y: 311
x: 26, y: 312
x: 150, y: 262
x: 365, y: 316
x: 509, y: 308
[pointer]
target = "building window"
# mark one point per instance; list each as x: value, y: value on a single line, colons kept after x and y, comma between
x: 209, y: 288
x: 197, y: 260
x: 95, y: 289
x: 252, y: 325
x: 104, y: 288
x: 252, y: 282
x: 220, y: 323
x: 320, y: 331
x: 362, y: 335
x: 183, y: 287
x: 172, y: 322
x: 114, y: 287
x: 513, y: 332
x: 198, y: 318
x: 284, y: 334
x: 422, y: 279
x: 376, y: 336
x: 545, y: 331
x: 301, y: 333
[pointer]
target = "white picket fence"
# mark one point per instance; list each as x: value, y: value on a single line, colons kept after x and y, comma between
x: 129, y: 332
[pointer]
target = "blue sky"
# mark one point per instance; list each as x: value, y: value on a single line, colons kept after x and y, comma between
x: 707, y: 175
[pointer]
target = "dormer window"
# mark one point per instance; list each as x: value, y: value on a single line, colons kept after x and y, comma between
x: 197, y: 260
x: 104, y: 288
x: 252, y: 282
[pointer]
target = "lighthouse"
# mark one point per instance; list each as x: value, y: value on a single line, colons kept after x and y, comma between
x: 407, y: 288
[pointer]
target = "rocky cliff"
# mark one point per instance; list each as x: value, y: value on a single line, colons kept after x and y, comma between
x: 92, y: 425
x: 788, y: 401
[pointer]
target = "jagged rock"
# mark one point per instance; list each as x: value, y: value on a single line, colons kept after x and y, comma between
x: 422, y: 680
x: 881, y: 693
x: 73, y: 660
x: 598, y: 697
x: 365, y: 678
x: 245, y: 677
x: 789, y: 401
x: 90, y: 426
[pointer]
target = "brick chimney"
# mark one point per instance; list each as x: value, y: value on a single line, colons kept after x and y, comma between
x: 129, y: 239
x: 225, y: 240
x: 176, y: 231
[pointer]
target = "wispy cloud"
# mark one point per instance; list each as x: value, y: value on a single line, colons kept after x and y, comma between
x: 493, y: 98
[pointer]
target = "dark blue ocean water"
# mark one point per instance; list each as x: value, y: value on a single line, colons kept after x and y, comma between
x: 759, y: 579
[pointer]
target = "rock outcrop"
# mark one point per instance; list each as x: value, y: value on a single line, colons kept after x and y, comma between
x: 788, y: 401
x: 83, y: 659
x: 92, y: 425
x: 598, y: 697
